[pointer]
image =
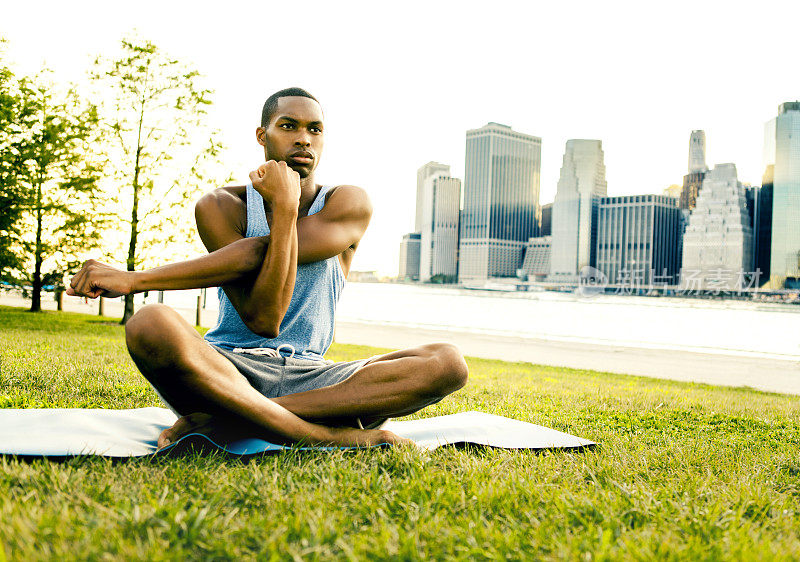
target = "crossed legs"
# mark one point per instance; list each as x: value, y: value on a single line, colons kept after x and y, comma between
x: 194, y: 377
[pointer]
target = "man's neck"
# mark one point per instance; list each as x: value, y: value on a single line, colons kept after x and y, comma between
x: 308, y: 192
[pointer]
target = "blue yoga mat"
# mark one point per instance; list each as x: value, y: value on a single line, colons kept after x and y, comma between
x: 133, y: 433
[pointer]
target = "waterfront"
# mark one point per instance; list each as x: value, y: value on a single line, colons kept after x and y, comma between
x: 731, y: 327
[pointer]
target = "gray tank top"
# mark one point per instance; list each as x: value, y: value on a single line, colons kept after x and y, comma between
x: 307, y: 327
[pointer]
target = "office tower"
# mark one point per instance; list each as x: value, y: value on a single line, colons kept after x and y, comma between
x: 693, y: 181
x: 684, y: 222
x: 546, y: 225
x: 762, y: 230
x: 426, y: 171
x: 637, y: 240
x: 409, y: 257
x: 441, y: 204
x: 581, y: 185
x: 784, y: 269
x: 536, y: 264
x: 718, y: 242
x: 697, y: 152
x: 501, y: 196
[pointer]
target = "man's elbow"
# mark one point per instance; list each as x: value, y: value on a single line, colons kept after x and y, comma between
x: 264, y: 325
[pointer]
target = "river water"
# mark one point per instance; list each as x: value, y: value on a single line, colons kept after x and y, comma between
x: 710, y: 326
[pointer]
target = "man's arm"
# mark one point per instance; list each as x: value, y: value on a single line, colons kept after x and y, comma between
x: 340, y: 225
x: 267, y: 299
x: 233, y: 258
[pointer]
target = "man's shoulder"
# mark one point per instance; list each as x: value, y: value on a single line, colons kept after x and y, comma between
x: 350, y: 197
x: 226, y: 205
x: 228, y: 198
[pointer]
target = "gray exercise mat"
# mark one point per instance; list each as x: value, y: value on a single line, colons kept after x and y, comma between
x: 133, y: 433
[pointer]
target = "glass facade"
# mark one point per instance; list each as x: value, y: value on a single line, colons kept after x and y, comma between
x: 637, y: 240
x: 439, y: 240
x: 501, y: 200
x: 785, y: 242
x: 581, y: 185
x: 423, y: 174
x: 409, y: 256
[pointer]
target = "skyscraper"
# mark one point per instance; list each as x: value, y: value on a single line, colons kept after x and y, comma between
x: 718, y: 242
x: 439, y: 235
x: 409, y: 257
x: 546, y: 225
x: 693, y: 181
x: 574, y: 227
x: 785, y: 243
x: 501, y: 196
x: 762, y: 230
x: 426, y: 171
x: 637, y: 240
x: 697, y: 152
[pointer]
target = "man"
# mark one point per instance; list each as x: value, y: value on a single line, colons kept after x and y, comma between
x: 279, y: 249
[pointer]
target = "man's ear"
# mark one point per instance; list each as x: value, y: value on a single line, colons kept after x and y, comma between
x: 261, y: 136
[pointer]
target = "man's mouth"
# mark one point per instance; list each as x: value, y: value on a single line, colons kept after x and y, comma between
x: 302, y: 157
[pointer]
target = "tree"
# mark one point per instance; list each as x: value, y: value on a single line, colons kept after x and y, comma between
x: 56, y: 176
x: 11, y: 197
x: 155, y: 121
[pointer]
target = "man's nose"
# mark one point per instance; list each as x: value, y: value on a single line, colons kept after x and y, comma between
x: 303, y: 139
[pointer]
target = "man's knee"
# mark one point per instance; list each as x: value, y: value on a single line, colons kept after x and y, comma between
x: 149, y: 333
x: 447, y: 370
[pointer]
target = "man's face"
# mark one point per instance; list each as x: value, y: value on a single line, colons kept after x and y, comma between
x: 294, y: 134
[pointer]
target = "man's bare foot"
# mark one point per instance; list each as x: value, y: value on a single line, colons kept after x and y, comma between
x: 347, y: 436
x: 193, y: 423
x: 365, y: 437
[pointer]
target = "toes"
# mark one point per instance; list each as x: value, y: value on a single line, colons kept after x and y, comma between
x: 184, y: 425
x: 165, y: 438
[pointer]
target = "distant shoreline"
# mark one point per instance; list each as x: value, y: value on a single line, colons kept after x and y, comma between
x: 769, y: 374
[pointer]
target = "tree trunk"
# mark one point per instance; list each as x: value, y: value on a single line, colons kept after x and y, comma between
x: 36, y: 297
x: 128, y: 312
x: 131, y: 262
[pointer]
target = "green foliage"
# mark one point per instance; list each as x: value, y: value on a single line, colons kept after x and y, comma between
x: 11, y: 196
x: 683, y: 472
x: 55, y: 177
x: 441, y: 278
x: 162, y: 152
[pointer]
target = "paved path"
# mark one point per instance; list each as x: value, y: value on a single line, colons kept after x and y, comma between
x: 728, y: 370
x: 771, y: 375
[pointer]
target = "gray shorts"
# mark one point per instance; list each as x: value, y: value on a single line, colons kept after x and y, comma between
x: 279, y: 376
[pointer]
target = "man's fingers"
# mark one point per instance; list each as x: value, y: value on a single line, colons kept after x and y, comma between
x: 79, y: 281
x: 75, y: 283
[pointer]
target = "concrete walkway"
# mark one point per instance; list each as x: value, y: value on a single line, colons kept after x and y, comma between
x: 770, y: 375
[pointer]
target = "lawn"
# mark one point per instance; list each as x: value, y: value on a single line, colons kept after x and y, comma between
x: 684, y: 471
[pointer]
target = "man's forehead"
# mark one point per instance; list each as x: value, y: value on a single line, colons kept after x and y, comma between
x: 299, y: 108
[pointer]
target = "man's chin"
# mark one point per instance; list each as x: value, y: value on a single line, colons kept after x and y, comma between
x: 303, y: 170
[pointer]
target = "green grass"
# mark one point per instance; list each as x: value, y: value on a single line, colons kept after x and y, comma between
x: 685, y: 471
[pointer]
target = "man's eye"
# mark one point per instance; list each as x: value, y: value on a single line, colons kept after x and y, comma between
x: 316, y: 130
x: 286, y: 125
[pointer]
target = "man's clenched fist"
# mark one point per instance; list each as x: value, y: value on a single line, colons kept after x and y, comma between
x: 97, y: 279
x: 277, y: 183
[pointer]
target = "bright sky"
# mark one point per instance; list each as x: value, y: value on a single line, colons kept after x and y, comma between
x: 401, y: 82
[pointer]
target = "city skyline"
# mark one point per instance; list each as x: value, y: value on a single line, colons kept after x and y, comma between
x: 713, y: 233
x: 628, y: 81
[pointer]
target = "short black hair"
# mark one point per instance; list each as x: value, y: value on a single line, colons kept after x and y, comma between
x: 272, y: 102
